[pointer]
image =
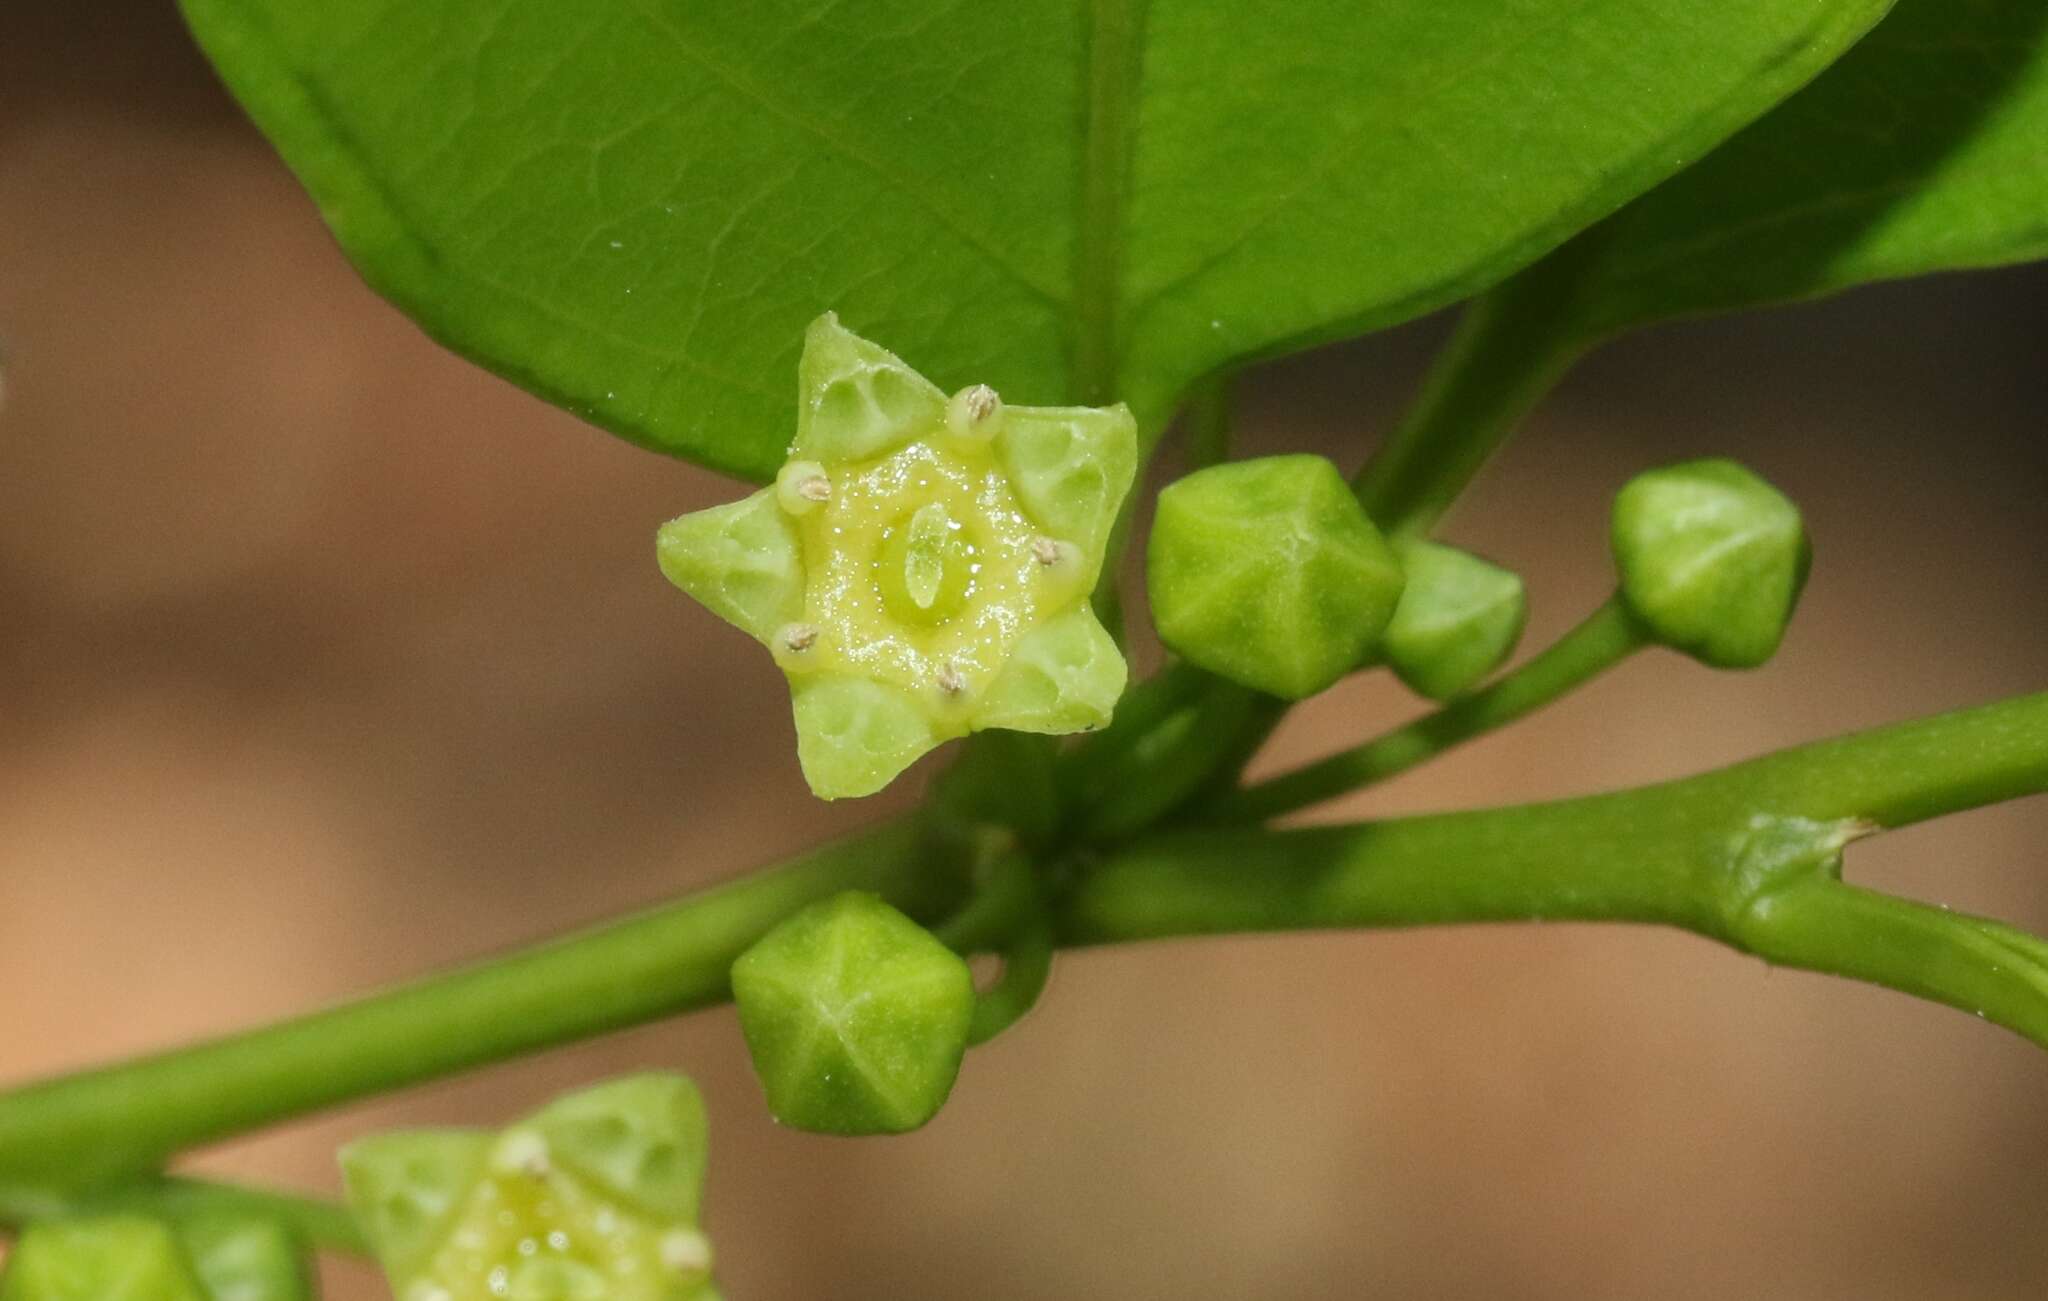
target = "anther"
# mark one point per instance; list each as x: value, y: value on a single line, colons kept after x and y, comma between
x: 981, y: 403
x: 949, y: 679
x: 1056, y: 559
x: 975, y: 412
x: 526, y: 1154
x: 799, y: 637
x: 802, y: 486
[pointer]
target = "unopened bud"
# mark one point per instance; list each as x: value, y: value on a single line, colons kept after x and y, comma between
x: 1458, y: 620
x: 1712, y: 560
x: 856, y: 1017
x: 1268, y: 573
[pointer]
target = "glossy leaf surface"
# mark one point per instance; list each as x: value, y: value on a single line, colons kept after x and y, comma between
x: 1924, y: 149
x: 633, y: 206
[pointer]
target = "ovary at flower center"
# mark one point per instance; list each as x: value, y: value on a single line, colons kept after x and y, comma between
x: 924, y: 572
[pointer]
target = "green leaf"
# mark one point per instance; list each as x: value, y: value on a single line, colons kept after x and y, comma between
x: 1925, y: 149
x: 634, y: 206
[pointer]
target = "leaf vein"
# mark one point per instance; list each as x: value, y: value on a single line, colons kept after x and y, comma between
x: 839, y: 144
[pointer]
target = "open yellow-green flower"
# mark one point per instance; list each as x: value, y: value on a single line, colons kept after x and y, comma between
x: 921, y: 566
x: 593, y: 1198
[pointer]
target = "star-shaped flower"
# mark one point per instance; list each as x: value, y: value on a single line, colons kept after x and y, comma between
x: 594, y: 1196
x: 921, y: 566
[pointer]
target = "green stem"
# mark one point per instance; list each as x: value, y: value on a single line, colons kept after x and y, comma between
x: 1908, y: 773
x: 1748, y: 855
x: 1510, y: 348
x: 322, y: 1224
x: 1027, y: 965
x: 1145, y: 707
x: 1209, y: 420
x: 1173, y: 760
x: 125, y: 1119
x: 1605, y: 638
x: 1972, y: 963
x: 1005, y: 913
x: 1004, y: 898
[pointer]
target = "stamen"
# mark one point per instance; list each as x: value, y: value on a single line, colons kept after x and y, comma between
x: 802, y: 486
x: 974, y: 412
x: 524, y: 1153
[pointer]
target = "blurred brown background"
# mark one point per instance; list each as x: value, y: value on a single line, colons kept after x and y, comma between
x: 325, y: 658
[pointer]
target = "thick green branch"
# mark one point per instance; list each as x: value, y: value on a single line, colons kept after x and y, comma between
x: 1747, y: 855
x: 1606, y: 637
x: 126, y: 1119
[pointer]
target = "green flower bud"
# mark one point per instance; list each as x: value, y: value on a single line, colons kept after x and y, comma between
x: 1458, y: 620
x: 595, y: 1196
x: 856, y: 1017
x: 921, y: 567
x: 108, y: 1258
x: 1269, y: 573
x: 1712, y: 560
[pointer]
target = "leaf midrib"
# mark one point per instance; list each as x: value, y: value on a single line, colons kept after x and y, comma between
x: 1114, y: 27
x: 1384, y: 109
